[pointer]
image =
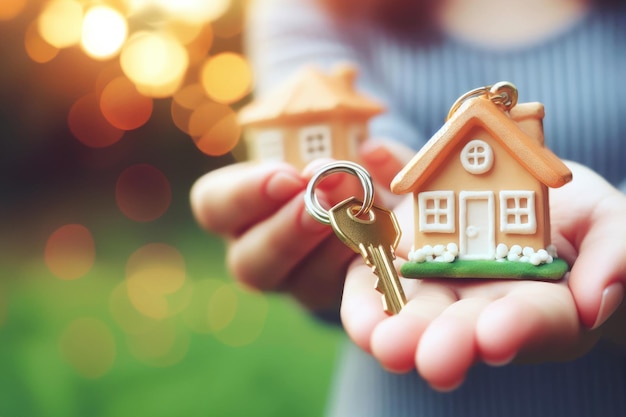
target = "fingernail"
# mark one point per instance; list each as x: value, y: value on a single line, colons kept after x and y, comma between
x: 612, y: 297
x: 283, y: 185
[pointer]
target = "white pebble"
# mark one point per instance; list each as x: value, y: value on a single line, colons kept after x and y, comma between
x: 448, y: 257
x: 501, y: 251
x: 528, y: 251
x: 453, y: 249
x: 535, y: 259
x: 516, y: 249
x: 512, y: 256
x: 438, y: 250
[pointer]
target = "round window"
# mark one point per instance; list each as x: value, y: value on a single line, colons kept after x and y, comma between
x: 477, y: 157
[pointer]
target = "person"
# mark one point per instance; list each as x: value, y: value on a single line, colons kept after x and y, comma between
x: 458, y: 348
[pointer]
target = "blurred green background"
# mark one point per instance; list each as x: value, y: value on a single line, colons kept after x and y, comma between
x: 103, y: 313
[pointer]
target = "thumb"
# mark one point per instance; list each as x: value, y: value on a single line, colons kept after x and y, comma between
x: 384, y: 159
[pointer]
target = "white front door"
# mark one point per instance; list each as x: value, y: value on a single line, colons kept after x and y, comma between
x: 476, y: 225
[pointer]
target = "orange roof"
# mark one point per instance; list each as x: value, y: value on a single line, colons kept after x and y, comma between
x: 309, y: 92
x: 538, y: 160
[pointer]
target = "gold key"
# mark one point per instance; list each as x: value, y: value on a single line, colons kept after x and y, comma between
x: 375, y: 235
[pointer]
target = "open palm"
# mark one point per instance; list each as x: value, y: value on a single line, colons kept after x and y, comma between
x: 447, y: 325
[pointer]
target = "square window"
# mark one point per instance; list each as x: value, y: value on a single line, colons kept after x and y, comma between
x: 517, y: 212
x: 436, y: 211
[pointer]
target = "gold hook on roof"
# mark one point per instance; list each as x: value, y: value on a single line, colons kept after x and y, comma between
x: 502, y: 93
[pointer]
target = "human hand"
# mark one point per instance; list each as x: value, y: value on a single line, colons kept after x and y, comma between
x: 447, y: 325
x: 273, y: 243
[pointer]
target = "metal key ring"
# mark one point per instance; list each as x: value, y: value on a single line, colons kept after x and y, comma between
x: 312, y: 204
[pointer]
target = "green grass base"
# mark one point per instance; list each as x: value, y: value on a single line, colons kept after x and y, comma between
x: 491, y: 269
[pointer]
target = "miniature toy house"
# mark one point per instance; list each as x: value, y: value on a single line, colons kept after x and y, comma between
x: 481, y: 187
x: 314, y: 115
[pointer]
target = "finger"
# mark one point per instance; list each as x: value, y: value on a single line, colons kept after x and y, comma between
x: 317, y: 282
x: 263, y: 256
x: 447, y: 348
x: 395, y: 340
x: 384, y: 159
x: 598, y: 275
x: 230, y: 199
x: 361, y: 308
x: 534, y: 321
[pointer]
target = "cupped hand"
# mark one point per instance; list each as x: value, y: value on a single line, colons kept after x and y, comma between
x: 273, y: 243
x: 448, y: 325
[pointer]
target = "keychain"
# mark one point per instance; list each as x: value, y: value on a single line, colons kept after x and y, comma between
x: 365, y: 228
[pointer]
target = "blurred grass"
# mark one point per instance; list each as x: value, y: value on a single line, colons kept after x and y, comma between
x: 286, y: 371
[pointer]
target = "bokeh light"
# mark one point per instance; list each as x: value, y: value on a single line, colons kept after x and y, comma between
x: 36, y: 47
x: 70, y: 251
x: 226, y: 77
x: 163, y: 345
x: 9, y: 9
x: 104, y: 31
x: 195, y: 10
x: 214, y: 128
x: 153, y: 272
x: 123, y: 106
x: 89, y: 126
x: 156, y: 62
x: 199, y: 47
x: 88, y: 345
x: 195, y: 316
x: 184, y: 102
x: 60, y: 22
x: 127, y: 317
x: 246, y: 324
x: 143, y: 193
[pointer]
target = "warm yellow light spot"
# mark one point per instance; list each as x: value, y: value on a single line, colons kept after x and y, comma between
x: 222, y: 307
x: 104, y: 32
x: 154, y: 272
x: 123, y: 106
x: 195, y: 314
x: 185, y: 32
x: 38, y: 49
x: 214, y: 128
x: 247, y: 323
x: 11, y: 8
x: 200, y: 46
x: 126, y: 315
x: 89, y: 126
x: 88, y: 345
x: 60, y: 22
x: 221, y: 138
x: 154, y: 60
x: 226, y: 77
x: 143, y: 193
x: 195, y: 10
x: 163, y: 345
x: 70, y: 251
x: 184, y: 102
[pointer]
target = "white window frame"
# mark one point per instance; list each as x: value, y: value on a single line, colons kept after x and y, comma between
x: 517, y: 212
x: 324, y: 136
x: 269, y: 145
x: 470, y: 156
x: 424, y: 212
